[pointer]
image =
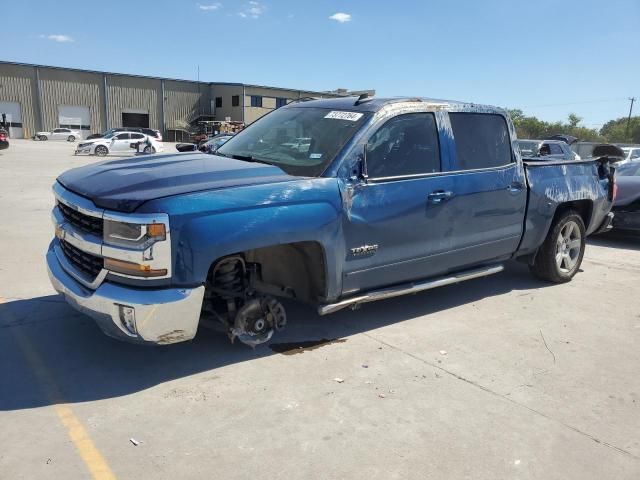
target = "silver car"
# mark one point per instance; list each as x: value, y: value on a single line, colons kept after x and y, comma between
x: 59, y: 134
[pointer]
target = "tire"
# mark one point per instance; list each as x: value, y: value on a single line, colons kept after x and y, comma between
x: 149, y: 149
x: 560, y: 256
x: 43, y: 138
x: 101, y: 150
x: 71, y: 138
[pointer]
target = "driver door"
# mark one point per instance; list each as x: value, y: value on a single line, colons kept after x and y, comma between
x: 398, y: 227
x: 120, y: 142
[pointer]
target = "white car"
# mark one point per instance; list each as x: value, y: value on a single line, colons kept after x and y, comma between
x: 632, y: 154
x: 59, y: 134
x: 118, y: 143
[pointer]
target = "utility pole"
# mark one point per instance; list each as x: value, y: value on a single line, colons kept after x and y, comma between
x: 632, y: 100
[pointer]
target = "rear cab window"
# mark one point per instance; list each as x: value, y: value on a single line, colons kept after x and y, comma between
x: 481, y: 139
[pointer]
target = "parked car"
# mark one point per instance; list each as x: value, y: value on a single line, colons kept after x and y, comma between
x: 116, y: 143
x: 632, y: 154
x: 394, y: 196
x: 59, y: 134
x: 627, y: 204
x: 549, y: 149
x: 147, y: 131
x: 4, y: 139
x: 210, y: 146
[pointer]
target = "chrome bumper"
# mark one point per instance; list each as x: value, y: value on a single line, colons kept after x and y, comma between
x: 162, y: 316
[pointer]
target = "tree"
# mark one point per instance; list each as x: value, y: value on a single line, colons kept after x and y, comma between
x: 616, y: 130
x: 532, y: 127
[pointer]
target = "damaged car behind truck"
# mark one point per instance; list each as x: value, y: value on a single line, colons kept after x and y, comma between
x: 387, y: 197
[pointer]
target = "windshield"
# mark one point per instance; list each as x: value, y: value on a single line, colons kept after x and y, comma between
x: 301, y: 141
x: 109, y: 135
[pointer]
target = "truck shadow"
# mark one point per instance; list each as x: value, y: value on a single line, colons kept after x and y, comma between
x: 51, y: 354
x: 616, y: 239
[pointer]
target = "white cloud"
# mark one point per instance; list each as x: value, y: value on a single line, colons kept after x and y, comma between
x: 341, y: 17
x: 252, y: 9
x: 209, y: 7
x: 57, y: 38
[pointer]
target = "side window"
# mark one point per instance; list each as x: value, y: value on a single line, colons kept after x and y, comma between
x: 405, y: 145
x: 137, y: 136
x: 635, y: 153
x: 482, y: 140
x: 57, y: 130
x: 122, y: 136
x: 555, y: 149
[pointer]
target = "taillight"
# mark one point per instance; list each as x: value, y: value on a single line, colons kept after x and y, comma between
x: 3, y: 137
x: 615, y: 189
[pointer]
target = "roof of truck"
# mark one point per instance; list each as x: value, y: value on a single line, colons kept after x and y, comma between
x: 373, y: 104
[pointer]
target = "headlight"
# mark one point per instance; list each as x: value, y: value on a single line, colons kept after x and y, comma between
x: 133, y: 235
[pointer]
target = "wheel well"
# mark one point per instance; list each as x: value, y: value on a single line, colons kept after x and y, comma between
x: 296, y: 270
x: 583, y: 207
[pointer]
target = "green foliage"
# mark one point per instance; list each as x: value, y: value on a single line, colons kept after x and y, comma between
x: 617, y: 131
x: 532, y: 127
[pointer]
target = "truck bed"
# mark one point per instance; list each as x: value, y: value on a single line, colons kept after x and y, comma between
x: 579, y: 183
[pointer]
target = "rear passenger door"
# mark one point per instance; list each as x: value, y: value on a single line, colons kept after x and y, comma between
x: 489, y: 189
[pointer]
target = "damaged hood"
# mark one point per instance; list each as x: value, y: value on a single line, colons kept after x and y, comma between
x: 124, y: 185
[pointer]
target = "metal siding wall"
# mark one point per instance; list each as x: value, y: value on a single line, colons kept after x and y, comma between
x: 60, y: 87
x: 17, y: 84
x: 227, y: 110
x: 133, y: 93
x: 184, y: 102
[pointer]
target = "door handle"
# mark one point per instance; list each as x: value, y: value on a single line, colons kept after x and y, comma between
x: 515, y: 187
x: 439, y: 197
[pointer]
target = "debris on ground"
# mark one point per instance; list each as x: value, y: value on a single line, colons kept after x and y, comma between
x: 381, y: 395
x: 134, y: 441
x: 338, y: 379
x: 364, y: 365
x: 443, y: 352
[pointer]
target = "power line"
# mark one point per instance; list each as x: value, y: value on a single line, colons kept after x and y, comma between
x: 611, y: 100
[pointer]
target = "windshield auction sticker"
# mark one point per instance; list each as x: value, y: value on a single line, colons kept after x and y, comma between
x: 351, y: 116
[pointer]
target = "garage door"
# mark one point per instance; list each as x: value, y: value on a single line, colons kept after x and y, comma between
x: 13, y: 114
x: 135, y: 119
x: 75, y: 117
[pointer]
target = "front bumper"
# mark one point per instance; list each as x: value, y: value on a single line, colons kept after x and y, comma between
x: 162, y: 316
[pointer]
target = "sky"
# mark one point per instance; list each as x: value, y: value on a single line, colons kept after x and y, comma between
x: 547, y: 57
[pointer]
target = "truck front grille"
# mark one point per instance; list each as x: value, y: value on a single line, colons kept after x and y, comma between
x: 86, y: 262
x: 84, y: 222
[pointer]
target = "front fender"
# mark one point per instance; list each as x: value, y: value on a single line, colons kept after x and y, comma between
x: 206, y: 226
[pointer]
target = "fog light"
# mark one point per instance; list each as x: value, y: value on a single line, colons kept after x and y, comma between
x: 128, y: 318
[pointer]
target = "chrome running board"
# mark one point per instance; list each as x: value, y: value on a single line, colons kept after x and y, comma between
x: 408, y: 288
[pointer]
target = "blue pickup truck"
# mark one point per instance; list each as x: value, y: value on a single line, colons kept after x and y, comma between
x: 385, y: 197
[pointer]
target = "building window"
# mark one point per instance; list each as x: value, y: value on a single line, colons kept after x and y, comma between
x: 218, y: 102
x: 280, y: 102
x: 256, y: 101
x: 235, y: 101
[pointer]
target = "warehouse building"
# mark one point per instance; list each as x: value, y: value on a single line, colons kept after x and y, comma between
x: 40, y: 98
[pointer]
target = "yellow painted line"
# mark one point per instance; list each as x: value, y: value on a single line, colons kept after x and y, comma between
x: 91, y: 456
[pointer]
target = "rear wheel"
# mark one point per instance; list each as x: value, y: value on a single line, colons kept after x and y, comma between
x: 43, y: 138
x: 101, y: 150
x: 560, y: 256
x: 71, y: 138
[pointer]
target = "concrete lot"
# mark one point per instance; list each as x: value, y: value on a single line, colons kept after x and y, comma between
x: 503, y: 377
